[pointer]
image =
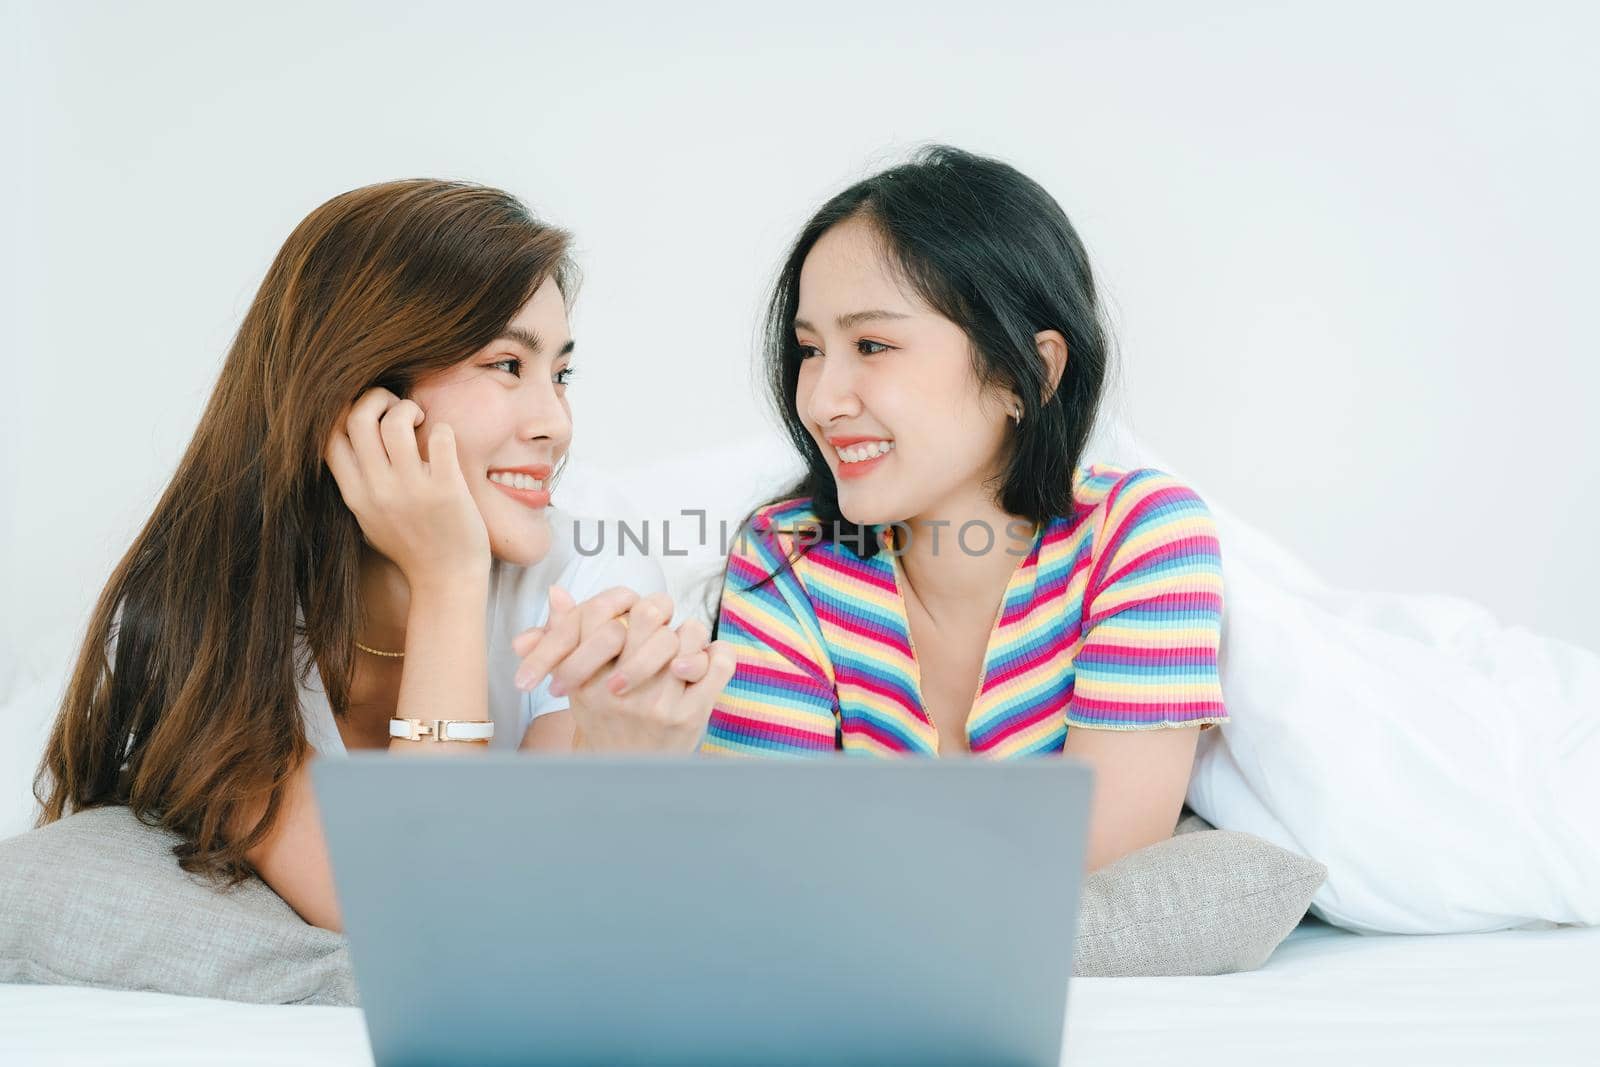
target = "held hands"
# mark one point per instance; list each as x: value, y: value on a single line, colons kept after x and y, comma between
x: 418, y: 513
x: 633, y: 687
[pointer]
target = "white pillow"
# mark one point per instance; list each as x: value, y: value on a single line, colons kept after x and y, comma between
x: 1445, y: 767
x: 1435, y: 760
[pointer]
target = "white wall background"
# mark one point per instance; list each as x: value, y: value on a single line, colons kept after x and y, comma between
x: 1351, y: 248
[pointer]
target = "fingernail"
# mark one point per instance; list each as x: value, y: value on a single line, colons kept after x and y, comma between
x: 524, y: 678
x: 617, y: 683
x: 557, y: 689
x: 681, y: 665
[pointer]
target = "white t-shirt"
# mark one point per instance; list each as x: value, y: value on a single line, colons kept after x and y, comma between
x: 519, y: 597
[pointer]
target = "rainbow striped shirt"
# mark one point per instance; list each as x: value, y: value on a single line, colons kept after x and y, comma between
x: 1111, y: 620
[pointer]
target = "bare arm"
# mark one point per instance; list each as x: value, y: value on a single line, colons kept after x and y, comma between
x: 1140, y: 779
x: 446, y: 680
x: 550, y: 732
x: 451, y: 672
x: 293, y: 858
x: 414, y: 508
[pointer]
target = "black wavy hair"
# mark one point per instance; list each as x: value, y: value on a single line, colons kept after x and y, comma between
x: 986, y: 247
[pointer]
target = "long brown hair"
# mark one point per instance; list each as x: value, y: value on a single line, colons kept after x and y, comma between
x: 183, y: 703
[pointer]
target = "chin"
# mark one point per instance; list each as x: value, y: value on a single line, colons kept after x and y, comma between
x: 523, y: 546
x: 867, y: 510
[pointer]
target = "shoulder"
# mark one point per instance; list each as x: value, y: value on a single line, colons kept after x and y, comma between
x: 1146, y: 526
x: 1141, y: 498
x: 1125, y: 489
x: 1143, y: 513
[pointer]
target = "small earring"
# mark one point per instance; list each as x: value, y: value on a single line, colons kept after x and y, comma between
x: 1016, y: 414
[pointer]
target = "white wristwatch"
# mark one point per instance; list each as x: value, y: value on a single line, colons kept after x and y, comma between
x: 441, y: 729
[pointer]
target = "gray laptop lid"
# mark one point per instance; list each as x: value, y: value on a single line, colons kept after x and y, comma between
x: 504, y: 908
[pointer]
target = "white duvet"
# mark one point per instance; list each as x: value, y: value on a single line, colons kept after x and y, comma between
x: 1325, y: 997
x: 1445, y: 767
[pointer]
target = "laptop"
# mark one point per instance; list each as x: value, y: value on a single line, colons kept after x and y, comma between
x: 506, y: 908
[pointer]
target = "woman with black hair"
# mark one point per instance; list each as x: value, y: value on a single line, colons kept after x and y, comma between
x: 947, y: 579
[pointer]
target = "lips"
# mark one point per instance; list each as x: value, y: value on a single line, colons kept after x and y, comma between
x: 540, y: 471
x: 857, y: 468
x: 863, y: 467
x: 527, y: 496
x: 531, y: 498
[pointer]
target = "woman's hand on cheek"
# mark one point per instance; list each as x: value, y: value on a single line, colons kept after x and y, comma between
x: 418, y: 513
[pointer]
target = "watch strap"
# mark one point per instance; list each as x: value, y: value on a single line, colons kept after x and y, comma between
x: 441, y: 729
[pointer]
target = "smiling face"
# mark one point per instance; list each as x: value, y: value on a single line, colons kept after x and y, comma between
x: 508, y: 407
x: 888, y: 389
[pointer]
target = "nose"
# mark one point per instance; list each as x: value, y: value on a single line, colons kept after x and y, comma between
x: 833, y: 393
x: 542, y: 415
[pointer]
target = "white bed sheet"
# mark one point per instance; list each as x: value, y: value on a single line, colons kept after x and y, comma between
x: 1325, y: 997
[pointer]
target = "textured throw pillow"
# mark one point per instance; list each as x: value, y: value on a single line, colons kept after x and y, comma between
x: 1203, y: 902
x: 99, y: 899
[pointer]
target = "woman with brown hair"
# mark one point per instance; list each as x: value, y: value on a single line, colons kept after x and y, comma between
x: 358, y: 544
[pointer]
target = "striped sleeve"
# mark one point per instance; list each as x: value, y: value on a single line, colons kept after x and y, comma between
x: 1152, y: 613
x: 781, y: 699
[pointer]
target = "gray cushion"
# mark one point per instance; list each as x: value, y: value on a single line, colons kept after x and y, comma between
x: 1204, y: 901
x: 99, y: 899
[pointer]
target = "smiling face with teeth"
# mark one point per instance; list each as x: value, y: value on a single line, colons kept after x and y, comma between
x: 508, y: 407
x: 888, y: 389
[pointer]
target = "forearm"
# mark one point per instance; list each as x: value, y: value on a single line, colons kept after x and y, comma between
x: 446, y: 671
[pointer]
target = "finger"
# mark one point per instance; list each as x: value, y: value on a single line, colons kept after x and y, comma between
x: 341, y: 460
x: 373, y: 403
x: 398, y: 430
x: 643, y: 662
x: 525, y: 642
x: 442, y: 464
x: 597, y: 652
x: 691, y: 668
x: 645, y: 619
x: 691, y: 662
x: 558, y: 641
x: 361, y: 424
x: 566, y: 630
x: 558, y: 637
x: 603, y: 607
x: 718, y: 675
x: 559, y: 597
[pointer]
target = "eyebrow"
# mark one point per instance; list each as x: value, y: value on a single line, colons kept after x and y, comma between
x: 854, y: 318
x: 532, y: 341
